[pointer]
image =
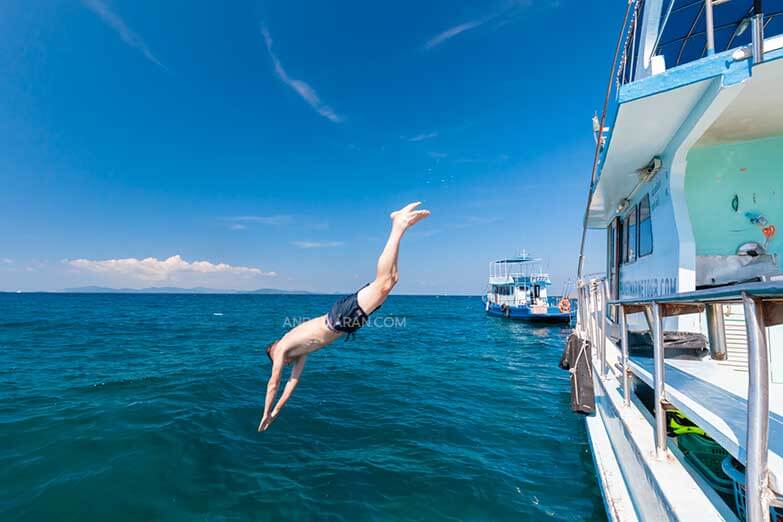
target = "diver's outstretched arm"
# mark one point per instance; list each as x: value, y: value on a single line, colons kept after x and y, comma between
x: 271, y: 388
x: 290, y: 386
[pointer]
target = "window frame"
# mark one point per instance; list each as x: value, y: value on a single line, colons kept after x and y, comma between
x: 626, y: 228
x: 646, y: 201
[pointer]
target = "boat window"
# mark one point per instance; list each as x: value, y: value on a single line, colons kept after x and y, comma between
x: 645, y: 227
x: 610, y: 246
x: 631, y: 235
x: 626, y: 227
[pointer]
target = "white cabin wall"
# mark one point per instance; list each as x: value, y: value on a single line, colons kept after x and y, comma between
x: 672, y: 265
x: 658, y: 273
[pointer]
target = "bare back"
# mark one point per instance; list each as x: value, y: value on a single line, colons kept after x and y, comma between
x: 308, y: 337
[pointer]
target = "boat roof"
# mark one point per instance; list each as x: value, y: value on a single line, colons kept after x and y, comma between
x: 677, y: 98
x: 520, y: 259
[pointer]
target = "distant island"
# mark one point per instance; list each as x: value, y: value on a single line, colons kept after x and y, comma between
x: 175, y: 290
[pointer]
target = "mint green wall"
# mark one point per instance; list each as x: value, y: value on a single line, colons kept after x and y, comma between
x: 752, y: 170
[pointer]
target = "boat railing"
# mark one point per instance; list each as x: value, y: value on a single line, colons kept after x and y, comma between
x: 591, y: 316
x: 692, y: 29
x: 511, y: 277
x: 763, y: 307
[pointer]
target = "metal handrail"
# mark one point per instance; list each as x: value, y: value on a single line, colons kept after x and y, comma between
x: 626, y: 70
x: 763, y: 306
x: 600, y: 140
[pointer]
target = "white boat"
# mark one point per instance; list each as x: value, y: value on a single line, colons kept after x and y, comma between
x: 687, y: 186
x: 518, y: 290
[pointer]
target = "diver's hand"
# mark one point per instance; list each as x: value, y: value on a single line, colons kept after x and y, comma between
x: 408, y: 216
x: 265, y: 422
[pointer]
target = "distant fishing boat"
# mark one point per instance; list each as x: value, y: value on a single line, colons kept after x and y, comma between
x: 518, y: 290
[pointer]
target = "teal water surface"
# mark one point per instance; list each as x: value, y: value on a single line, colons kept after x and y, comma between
x: 145, y: 407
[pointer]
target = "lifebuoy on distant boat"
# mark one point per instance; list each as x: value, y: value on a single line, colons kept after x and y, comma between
x: 564, y: 305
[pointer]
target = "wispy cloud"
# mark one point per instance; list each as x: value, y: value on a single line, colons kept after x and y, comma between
x: 438, y: 155
x: 274, y: 219
x: 503, y: 12
x: 127, y: 35
x: 423, y: 137
x: 470, y: 221
x: 6, y: 261
x: 153, y: 270
x: 425, y: 233
x: 302, y: 88
x: 317, y: 244
x: 237, y: 226
x: 455, y: 31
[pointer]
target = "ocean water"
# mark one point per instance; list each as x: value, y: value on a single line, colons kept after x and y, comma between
x: 145, y: 407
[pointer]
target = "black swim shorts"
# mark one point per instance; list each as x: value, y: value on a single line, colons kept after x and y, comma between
x: 346, y: 315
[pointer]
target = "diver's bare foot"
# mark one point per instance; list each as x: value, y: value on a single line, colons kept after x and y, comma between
x: 407, y: 216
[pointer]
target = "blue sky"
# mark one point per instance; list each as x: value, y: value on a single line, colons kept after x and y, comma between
x: 258, y: 144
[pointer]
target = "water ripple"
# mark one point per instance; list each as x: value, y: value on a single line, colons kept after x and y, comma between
x: 146, y: 407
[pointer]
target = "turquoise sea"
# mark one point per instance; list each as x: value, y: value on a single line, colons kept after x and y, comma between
x: 145, y: 407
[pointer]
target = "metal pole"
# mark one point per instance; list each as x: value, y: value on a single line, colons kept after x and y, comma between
x: 660, y: 414
x: 757, y: 35
x: 716, y: 330
x: 597, y: 333
x: 710, y: 27
x: 597, y: 156
x: 602, y: 340
x: 587, y: 300
x: 591, y: 318
x: 757, y: 444
x: 626, y: 369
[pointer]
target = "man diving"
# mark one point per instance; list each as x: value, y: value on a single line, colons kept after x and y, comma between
x: 346, y: 316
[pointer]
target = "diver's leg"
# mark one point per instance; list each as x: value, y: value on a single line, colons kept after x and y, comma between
x: 373, y: 295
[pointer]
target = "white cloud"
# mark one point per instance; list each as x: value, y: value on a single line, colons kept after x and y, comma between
x: 237, y: 226
x: 275, y: 219
x: 302, y: 88
x: 454, y: 31
x: 317, y: 244
x: 470, y: 221
x: 438, y: 155
x: 6, y: 261
x: 505, y: 12
x: 422, y: 137
x: 127, y: 35
x: 151, y: 270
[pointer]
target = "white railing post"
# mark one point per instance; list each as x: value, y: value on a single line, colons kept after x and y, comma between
x: 602, y: 316
x: 757, y: 32
x: 659, y: 380
x: 594, y: 323
x: 710, y: 27
x: 757, y: 444
x: 716, y: 330
x: 583, y: 310
x: 626, y: 368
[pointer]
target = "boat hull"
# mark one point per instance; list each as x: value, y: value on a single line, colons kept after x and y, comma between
x: 635, y: 483
x: 525, y: 313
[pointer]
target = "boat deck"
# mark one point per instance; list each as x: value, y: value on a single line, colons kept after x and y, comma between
x: 714, y: 396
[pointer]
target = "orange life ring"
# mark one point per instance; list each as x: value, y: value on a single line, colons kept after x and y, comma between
x: 564, y: 305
